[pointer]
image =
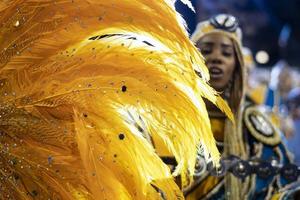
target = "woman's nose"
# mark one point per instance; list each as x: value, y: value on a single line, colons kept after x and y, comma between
x: 216, y: 60
x: 215, y: 57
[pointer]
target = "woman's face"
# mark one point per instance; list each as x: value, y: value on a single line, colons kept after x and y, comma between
x: 218, y: 51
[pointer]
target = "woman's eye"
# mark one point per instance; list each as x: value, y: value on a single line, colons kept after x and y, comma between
x: 205, y: 51
x: 227, y: 54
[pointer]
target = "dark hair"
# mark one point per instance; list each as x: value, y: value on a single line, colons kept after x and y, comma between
x: 237, y: 86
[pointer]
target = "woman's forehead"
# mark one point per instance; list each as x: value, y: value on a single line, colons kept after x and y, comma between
x: 216, y: 38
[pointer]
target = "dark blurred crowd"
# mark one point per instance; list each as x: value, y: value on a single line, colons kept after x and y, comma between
x: 278, y: 90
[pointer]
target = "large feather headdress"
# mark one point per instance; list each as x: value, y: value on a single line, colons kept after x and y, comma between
x: 84, y: 85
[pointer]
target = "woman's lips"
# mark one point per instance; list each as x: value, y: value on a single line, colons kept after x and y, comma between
x: 215, y: 73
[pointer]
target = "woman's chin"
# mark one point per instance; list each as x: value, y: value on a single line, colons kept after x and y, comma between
x: 220, y: 87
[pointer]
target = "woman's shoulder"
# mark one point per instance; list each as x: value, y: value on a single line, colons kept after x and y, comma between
x: 259, y: 125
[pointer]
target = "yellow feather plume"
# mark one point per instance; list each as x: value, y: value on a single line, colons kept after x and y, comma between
x: 85, y: 85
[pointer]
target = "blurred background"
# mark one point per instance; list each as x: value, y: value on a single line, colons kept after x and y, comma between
x: 271, y: 28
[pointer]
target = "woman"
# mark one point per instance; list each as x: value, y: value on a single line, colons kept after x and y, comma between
x: 251, y: 136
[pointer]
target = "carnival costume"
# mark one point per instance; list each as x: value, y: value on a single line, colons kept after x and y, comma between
x: 251, y: 147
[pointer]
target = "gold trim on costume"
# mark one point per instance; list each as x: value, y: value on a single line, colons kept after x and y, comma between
x: 260, y: 127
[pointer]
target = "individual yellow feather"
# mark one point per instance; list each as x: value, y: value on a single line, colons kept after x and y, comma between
x: 84, y: 85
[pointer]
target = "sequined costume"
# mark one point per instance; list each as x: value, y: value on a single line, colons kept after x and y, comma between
x: 253, y: 138
x: 84, y: 84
